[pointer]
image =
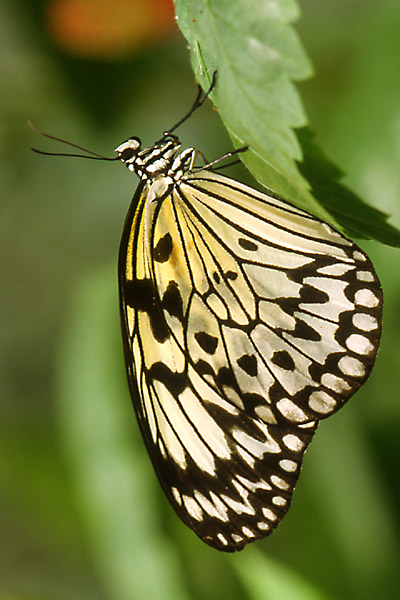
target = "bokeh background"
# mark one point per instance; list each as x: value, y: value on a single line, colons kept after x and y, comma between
x: 81, y: 513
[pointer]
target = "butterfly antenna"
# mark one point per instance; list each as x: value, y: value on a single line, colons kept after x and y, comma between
x: 200, y: 98
x: 89, y: 153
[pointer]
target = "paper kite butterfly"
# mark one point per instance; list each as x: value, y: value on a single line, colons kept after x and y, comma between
x: 245, y: 321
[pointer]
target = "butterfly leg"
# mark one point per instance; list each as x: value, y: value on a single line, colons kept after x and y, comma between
x: 221, y: 158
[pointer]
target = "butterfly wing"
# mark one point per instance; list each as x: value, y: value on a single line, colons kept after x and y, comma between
x: 315, y: 297
x: 245, y: 321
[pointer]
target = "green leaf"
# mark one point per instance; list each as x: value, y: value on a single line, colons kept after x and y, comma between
x: 256, y: 53
x: 258, y: 56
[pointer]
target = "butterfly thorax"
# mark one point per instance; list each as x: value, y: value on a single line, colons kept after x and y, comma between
x: 164, y: 159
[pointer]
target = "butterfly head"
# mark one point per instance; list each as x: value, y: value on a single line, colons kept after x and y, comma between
x: 128, y: 151
x: 148, y: 163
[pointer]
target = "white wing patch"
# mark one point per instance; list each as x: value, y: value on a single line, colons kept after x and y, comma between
x: 245, y: 322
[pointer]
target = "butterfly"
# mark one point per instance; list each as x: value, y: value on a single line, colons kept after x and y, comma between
x: 245, y: 321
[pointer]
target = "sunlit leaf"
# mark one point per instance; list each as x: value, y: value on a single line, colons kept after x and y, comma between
x: 258, y: 56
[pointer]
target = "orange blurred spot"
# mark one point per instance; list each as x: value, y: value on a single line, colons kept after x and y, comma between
x: 109, y: 29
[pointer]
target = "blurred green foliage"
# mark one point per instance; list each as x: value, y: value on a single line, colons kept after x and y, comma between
x: 82, y: 515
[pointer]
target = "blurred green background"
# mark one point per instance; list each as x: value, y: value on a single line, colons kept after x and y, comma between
x: 82, y: 515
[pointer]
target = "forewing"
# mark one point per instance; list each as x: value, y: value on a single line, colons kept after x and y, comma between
x: 305, y: 303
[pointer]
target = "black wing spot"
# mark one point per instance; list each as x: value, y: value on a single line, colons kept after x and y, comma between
x: 305, y: 332
x: 284, y: 360
x: 225, y: 376
x: 230, y: 275
x: 140, y: 294
x: 247, y: 245
x: 172, y: 301
x: 176, y: 383
x: 204, y: 368
x: 206, y: 341
x: 312, y: 295
x: 248, y: 363
x: 163, y: 249
x: 216, y: 277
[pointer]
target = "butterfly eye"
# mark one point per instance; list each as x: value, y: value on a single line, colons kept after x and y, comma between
x: 127, y: 154
x: 128, y: 149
